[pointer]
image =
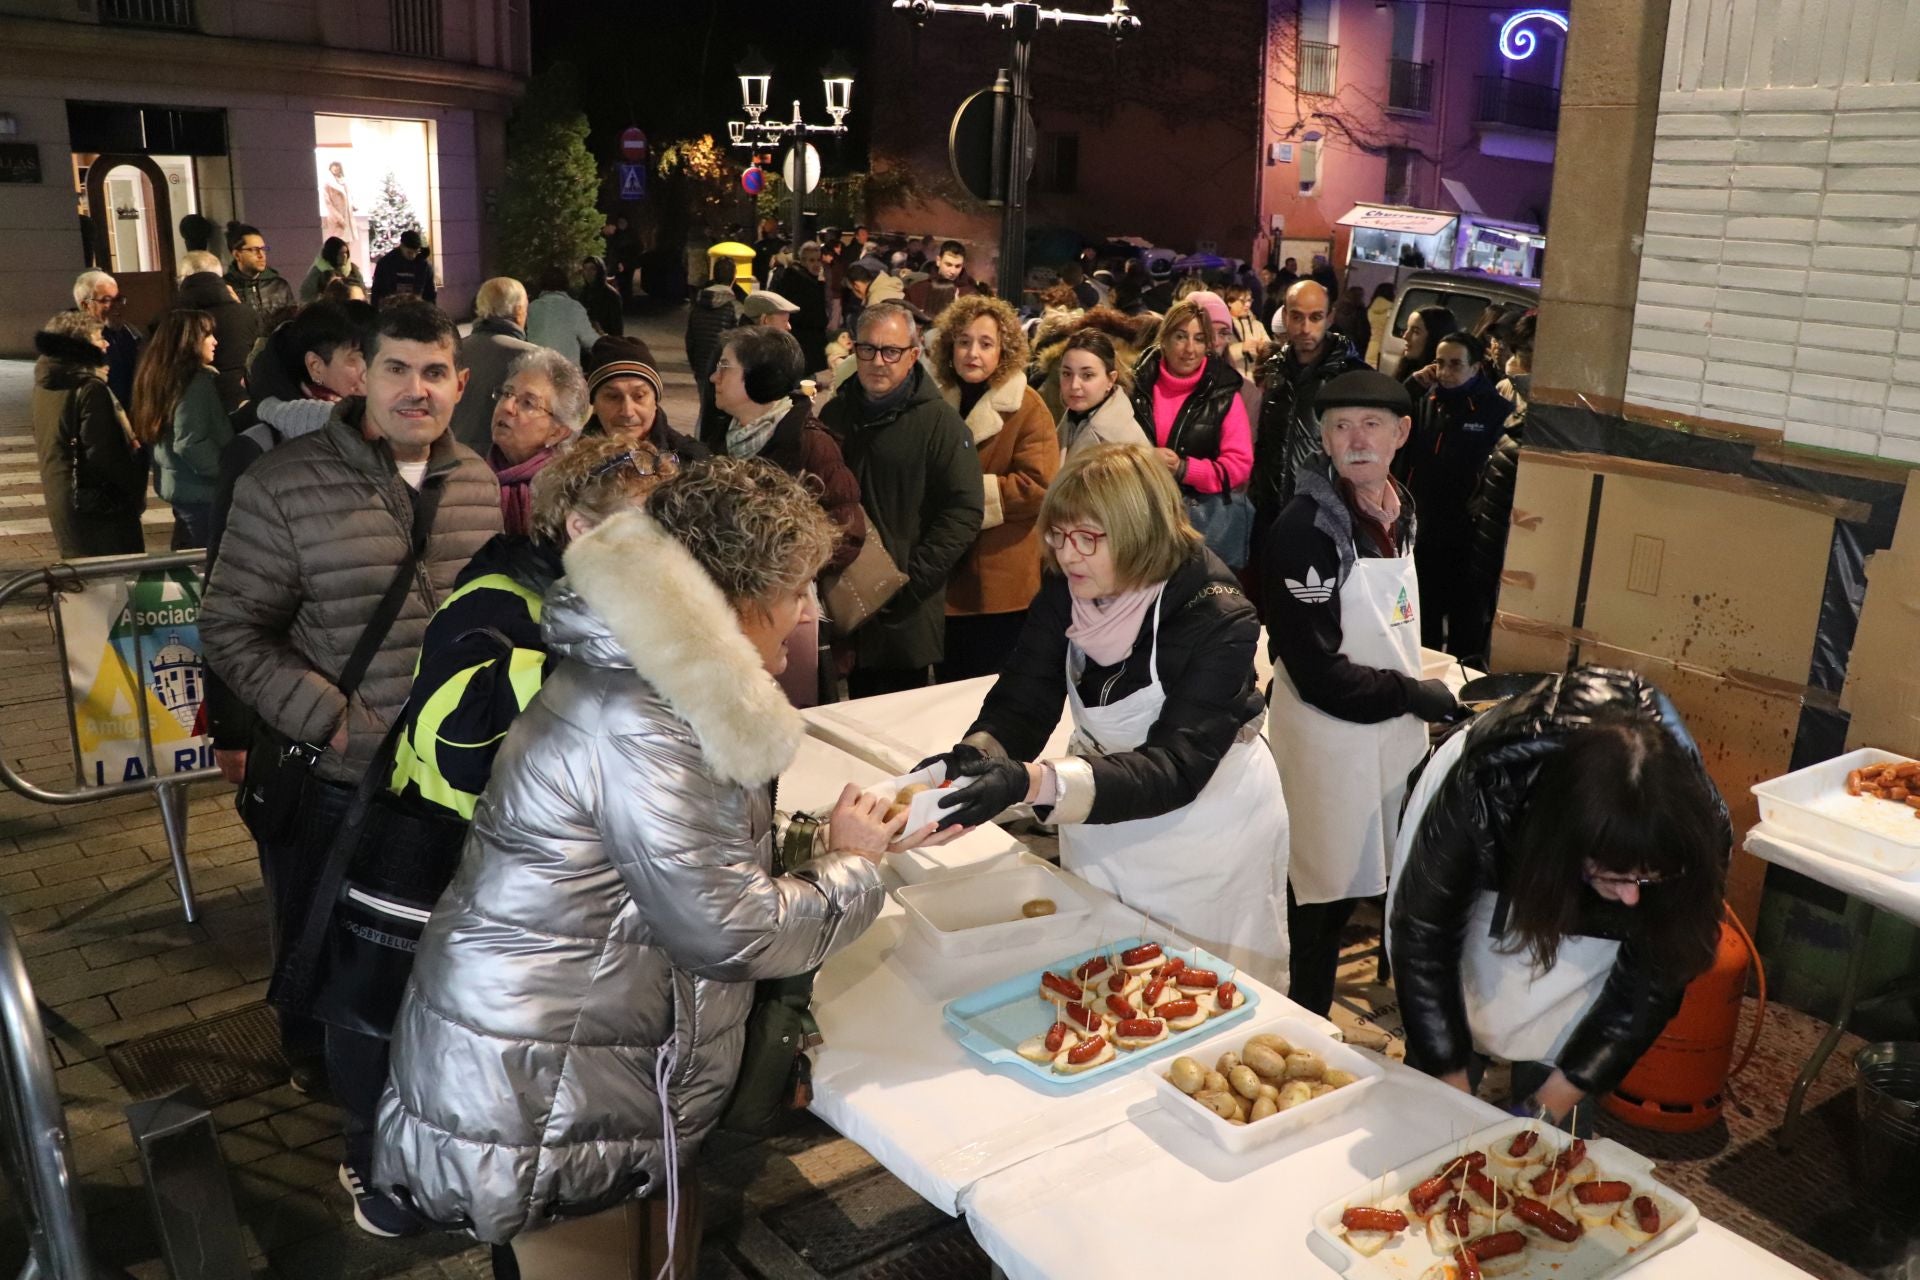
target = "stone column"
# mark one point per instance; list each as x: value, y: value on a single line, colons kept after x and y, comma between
x: 1603, y: 163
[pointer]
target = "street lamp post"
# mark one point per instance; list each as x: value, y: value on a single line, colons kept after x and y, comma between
x: 756, y: 81
x: 1023, y: 19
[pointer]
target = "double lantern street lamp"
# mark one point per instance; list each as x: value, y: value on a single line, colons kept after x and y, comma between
x: 756, y: 83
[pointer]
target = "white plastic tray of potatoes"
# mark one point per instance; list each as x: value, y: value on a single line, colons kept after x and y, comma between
x: 1609, y: 1241
x: 1289, y: 1061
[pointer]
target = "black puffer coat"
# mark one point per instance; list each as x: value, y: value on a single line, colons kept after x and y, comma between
x: 236, y: 326
x: 1202, y: 419
x: 1462, y: 848
x: 1286, y: 440
x: 1490, y: 512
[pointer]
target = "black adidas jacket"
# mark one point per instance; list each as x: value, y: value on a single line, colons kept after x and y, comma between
x: 1306, y: 555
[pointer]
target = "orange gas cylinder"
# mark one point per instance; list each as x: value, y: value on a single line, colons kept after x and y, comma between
x: 1680, y: 1083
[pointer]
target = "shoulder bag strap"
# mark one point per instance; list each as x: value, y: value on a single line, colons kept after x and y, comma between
x: 425, y: 504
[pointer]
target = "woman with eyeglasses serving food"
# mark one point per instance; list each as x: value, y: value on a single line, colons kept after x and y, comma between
x: 1557, y: 884
x: 1166, y: 796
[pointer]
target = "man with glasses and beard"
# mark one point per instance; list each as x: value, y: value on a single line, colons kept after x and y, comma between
x: 920, y: 484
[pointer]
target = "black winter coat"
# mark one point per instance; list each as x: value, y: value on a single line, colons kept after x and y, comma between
x: 235, y: 329
x: 809, y: 293
x: 921, y: 488
x: 1453, y: 432
x: 1286, y: 439
x: 1203, y: 415
x: 1208, y: 633
x: 1462, y: 848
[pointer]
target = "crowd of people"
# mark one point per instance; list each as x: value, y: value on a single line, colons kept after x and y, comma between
x: 480, y: 586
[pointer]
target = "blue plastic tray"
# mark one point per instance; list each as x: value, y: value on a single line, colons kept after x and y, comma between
x: 993, y: 1021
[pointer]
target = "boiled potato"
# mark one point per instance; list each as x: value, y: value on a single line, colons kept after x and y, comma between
x: 1244, y: 1081
x: 1215, y: 1083
x: 1276, y: 1043
x: 1269, y: 1091
x: 1293, y: 1093
x: 1302, y: 1065
x: 1263, y: 1107
x: 1266, y: 1061
x: 1228, y: 1061
x: 1187, y: 1075
x: 1221, y: 1104
x: 1337, y: 1078
x: 1038, y: 907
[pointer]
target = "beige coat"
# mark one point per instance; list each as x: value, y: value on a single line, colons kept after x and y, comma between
x: 1019, y: 455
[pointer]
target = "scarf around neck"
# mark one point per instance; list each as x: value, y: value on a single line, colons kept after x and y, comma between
x: 1106, y: 629
x: 516, y: 487
x: 747, y: 439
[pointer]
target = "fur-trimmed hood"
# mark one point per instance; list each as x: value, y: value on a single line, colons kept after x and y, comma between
x: 635, y: 597
x: 71, y: 356
x: 1130, y: 335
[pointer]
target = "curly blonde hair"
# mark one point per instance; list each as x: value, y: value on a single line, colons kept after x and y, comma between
x: 588, y: 478
x: 755, y: 529
x: 954, y: 321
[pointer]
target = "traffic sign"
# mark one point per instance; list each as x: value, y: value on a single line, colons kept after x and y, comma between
x: 813, y: 168
x: 633, y: 182
x: 971, y: 143
x: 633, y: 146
x: 753, y: 180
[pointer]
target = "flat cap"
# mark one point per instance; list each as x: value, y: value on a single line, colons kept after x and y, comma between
x: 1364, y: 389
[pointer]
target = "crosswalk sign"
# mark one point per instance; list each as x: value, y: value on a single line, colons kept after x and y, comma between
x: 633, y: 182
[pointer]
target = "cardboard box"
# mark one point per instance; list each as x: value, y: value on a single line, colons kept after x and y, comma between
x: 1708, y: 584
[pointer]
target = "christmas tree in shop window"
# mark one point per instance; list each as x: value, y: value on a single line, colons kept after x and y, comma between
x: 391, y: 215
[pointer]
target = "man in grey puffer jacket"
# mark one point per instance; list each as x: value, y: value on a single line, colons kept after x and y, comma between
x: 318, y: 528
x: 615, y: 905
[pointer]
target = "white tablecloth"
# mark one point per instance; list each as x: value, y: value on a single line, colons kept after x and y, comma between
x: 893, y: 1077
x: 1901, y: 897
x: 895, y: 731
x: 1077, y: 1210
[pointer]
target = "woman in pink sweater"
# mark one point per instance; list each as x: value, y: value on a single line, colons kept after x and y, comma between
x: 1200, y: 428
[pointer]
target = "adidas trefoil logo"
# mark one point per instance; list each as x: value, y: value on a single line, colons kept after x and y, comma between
x: 1314, y: 590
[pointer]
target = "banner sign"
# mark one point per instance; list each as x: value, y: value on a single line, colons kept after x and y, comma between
x: 129, y: 639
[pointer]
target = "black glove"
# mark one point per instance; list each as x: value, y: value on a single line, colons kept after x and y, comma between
x: 961, y: 754
x: 996, y: 785
x: 1432, y: 701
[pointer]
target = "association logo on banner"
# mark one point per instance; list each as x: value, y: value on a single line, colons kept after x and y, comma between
x: 127, y: 641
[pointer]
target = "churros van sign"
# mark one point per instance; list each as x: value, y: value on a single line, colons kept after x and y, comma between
x: 130, y: 641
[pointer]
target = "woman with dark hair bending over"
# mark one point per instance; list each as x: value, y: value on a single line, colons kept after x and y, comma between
x: 1557, y: 884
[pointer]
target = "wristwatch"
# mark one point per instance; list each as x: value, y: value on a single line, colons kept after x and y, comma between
x: 804, y: 840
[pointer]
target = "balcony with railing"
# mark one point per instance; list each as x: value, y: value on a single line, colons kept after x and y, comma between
x: 1314, y: 72
x: 1518, y: 104
x: 164, y: 15
x: 1409, y: 86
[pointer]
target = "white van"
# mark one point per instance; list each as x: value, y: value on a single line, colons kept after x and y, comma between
x: 1465, y: 293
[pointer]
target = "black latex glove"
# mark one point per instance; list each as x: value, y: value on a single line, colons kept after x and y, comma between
x: 995, y: 786
x: 959, y: 755
x: 1432, y: 701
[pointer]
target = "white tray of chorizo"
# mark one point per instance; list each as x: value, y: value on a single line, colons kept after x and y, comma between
x: 1862, y: 807
x: 1099, y: 1012
x: 1517, y: 1199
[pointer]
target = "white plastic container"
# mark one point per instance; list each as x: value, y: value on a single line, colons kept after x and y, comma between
x: 925, y: 807
x: 965, y: 914
x: 1812, y: 806
x: 1258, y: 1133
x: 1601, y: 1252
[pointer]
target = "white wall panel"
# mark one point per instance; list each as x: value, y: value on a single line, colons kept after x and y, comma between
x: 1778, y: 287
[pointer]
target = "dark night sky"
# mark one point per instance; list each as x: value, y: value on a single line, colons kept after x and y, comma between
x: 668, y: 66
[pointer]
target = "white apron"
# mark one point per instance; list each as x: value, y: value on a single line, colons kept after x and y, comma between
x: 1214, y: 870
x: 1344, y: 781
x: 1515, y: 1012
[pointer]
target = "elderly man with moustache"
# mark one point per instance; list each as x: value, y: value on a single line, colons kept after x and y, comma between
x: 1348, y: 707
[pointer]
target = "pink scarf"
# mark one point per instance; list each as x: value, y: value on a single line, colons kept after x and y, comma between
x: 1106, y: 629
x: 516, y: 487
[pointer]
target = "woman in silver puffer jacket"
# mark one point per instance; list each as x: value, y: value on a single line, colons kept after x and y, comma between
x: 614, y: 905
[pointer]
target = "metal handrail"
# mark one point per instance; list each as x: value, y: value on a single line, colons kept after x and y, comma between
x: 37, y: 1127
x: 169, y: 789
